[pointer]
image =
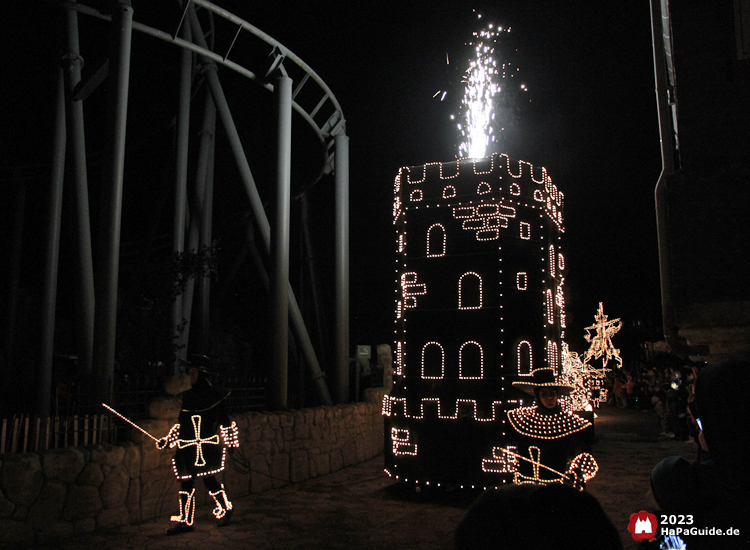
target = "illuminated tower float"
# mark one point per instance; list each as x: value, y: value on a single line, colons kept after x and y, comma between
x: 479, y: 303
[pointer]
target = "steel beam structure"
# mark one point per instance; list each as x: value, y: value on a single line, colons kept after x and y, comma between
x: 341, y: 173
x: 108, y: 253
x: 280, y: 244
x: 181, y: 174
x: 256, y: 205
x: 201, y: 329
x: 200, y: 218
x: 49, y: 290
x: 309, y: 261
x: 325, y: 129
x: 666, y: 141
x: 84, y: 279
x: 324, y: 117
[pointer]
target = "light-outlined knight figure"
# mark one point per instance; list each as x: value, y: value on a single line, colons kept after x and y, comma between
x: 202, y: 436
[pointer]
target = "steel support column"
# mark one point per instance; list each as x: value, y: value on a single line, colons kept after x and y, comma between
x: 309, y: 261
x: 204, y: 283
x: 341, y: 175
x: 256, y: 205
x: 108, y: 253
x: 199, y: 215
x: 280, y: 246
x: 222, y: 108
x: 84, y: 277
x: 180, y: 184
x: 667, y: 171
x: 52, y: 255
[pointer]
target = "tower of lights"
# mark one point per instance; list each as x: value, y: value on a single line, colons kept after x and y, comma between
x: 479, y: 286
x: 479, y: 297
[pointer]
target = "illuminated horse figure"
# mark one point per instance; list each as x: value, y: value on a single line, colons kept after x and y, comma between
x: 202, y: 437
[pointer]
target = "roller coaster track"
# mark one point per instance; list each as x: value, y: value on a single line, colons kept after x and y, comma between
x: 323, y: 114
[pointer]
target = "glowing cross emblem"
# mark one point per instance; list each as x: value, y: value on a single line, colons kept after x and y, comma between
x: 198, y: 441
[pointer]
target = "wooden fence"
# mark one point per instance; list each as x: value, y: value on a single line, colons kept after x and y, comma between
x: 25, y: 433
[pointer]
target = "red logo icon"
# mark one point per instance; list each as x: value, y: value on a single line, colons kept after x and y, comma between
x: 642, y: 526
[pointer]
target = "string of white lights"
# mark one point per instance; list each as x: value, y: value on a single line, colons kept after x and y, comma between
x: 187, y: 509
x: 223, y: 505
x: 530, y: 422
x: 198, y: 441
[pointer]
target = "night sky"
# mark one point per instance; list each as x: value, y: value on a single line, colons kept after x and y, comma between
x: 589, y: 117
x: 591, y: 120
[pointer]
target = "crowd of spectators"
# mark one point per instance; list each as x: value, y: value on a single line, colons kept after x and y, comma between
x: 667, y: 390
x: 713, y: 490
x: 707, y: 487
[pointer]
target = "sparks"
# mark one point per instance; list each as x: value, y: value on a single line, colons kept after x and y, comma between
x: 478, y: 102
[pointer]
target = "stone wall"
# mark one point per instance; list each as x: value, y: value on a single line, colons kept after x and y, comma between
x: 51, y: 496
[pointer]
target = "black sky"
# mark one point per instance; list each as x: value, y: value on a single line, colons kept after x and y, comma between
x: 591, y: 120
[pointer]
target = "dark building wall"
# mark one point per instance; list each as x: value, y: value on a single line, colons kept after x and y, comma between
x: 711, y: 86
x: 709, y: 195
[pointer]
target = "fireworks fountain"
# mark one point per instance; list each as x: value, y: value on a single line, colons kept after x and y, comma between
x: 481, y: 88
x: 484, y: 91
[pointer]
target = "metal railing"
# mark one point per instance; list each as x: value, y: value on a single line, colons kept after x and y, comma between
x: 26, y: 433
x: 76, y: 424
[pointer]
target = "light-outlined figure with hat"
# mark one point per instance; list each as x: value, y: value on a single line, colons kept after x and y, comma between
x: 552, y: 443
x: 202, y: 436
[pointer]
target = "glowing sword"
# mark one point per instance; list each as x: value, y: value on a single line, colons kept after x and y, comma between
x: 129, y: 421
x: 534, y: 462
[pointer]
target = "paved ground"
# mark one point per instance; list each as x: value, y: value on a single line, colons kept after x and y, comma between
x: 359, y: 508
x: 628, y: 446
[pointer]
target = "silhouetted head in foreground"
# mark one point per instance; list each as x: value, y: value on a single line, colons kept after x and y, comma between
x: 536, y: 517
x: 724, y: 410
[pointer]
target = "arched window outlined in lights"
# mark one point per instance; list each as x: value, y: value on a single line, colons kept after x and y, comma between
x: 553, y: 356
x: 469, y: 363
x: 522, y: 280
x: 428, y: 363
x: 525, y: 231
x: 524, y: 358
x: 550, y: 306
x: 561, y: 261
x: 552, y: 262
x: 449, y: 192
x: 483, y: 188
x: 436, y: 232
x: 471, y: 288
